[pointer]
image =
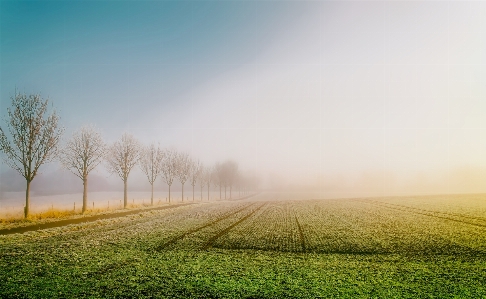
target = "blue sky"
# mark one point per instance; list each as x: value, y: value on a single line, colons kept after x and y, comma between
x: 113, y: 54
x: 348, y: 95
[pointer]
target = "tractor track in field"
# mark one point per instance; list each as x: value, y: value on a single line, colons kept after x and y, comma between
x: 434, y: 214
x: 224, y: 231
x: 191, y: 231
x: 301, y: 234
x: 483, y: 219
x: 244, y: 197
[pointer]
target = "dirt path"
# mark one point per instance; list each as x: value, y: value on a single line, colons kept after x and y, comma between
x: 23, y: 229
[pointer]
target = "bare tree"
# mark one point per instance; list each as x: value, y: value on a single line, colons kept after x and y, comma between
x: 151, y: 159
x: 35, y: 137
x: 82, y: 153
x: 169, y: 167
x: 230, y: 170
x: 218, y: 179
x: 209, y: 175
x: 202, y: 179
x: 195, y: 173
x: 183, y: 169
x: 122, y: 156
x: 239, y: 183
x: 248, y: 182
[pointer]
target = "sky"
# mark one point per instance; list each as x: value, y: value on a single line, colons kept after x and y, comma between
x: 348, y: 98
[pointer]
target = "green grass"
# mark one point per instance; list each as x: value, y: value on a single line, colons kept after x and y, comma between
x: 137, y: 256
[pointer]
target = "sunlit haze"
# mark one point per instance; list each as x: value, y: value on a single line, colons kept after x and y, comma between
x: 343, y: 98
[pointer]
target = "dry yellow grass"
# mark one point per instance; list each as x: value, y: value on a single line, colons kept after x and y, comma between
x: 13, y: 218
x: 54, y: 213
x: 51, y: 213
x: 136, y: 206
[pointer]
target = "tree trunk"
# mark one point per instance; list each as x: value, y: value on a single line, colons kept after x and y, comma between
x: 182, y: 192
x: 169, y: 193
x: 201, y: 192
x: 27, y: 200
x: 192, y: 192
x: 208, y: 192
x: 125, y: 197
x: 152, y: 197
x: 85, y: 194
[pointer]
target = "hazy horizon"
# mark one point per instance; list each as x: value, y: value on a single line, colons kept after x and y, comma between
x: 336, y: 97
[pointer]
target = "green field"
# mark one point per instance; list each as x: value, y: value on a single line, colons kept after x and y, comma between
x: 263, y: 247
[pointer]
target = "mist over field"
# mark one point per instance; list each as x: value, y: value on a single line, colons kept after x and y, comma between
x: 340, y: 98
x: 242, y: 149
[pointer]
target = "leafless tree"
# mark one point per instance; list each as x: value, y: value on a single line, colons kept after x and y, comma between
x: 239, y: 183
x: 169, y: 167
x: 34, y: 137
x: 82, y: 153
x: 121, y: 157
x: 230, y: 171
x: 218, y: 178
x: 195, y: 173
x: 151, y: 159
x: 202, y: 179
x: 209, y: 175
x: 183, y: 169
x: 248, y: 182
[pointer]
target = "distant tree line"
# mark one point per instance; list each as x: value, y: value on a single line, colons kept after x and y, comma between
x: 33, y: 138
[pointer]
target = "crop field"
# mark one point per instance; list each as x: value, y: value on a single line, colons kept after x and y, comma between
x: 261, y: 247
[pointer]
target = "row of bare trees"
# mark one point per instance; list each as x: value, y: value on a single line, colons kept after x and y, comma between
x: 35, y: 139
x: 86, y: 149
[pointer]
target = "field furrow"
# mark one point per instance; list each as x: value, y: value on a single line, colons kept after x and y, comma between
x: 271, y: 228
x: 301, y: 234
x: 221, y: 233
x: 464, y: 219
x: 201, y: 227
